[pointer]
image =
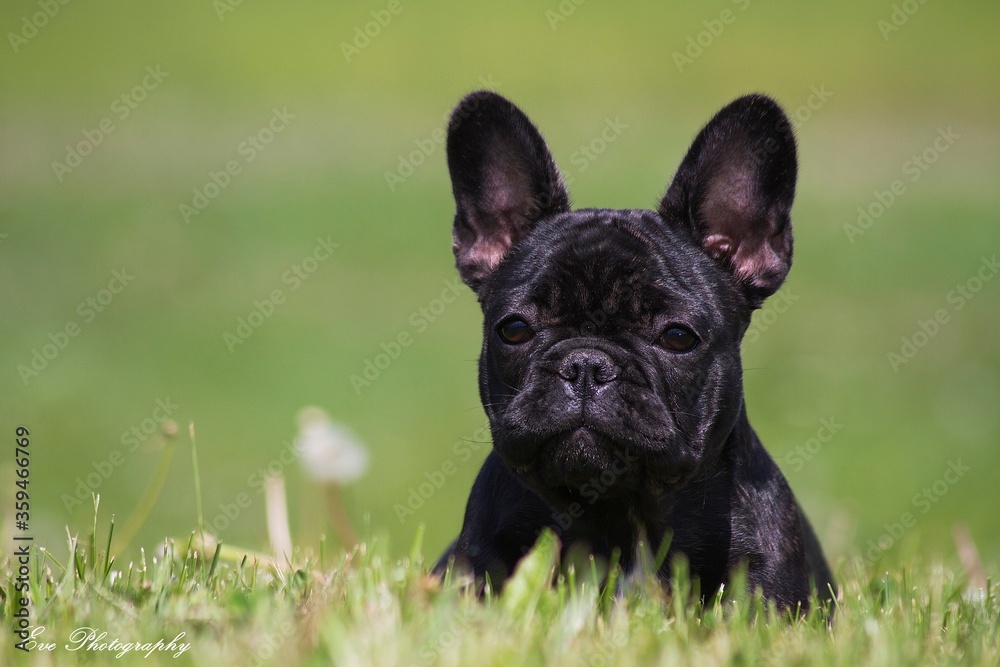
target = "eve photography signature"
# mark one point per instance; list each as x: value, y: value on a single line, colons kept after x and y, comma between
x: 98, y: 641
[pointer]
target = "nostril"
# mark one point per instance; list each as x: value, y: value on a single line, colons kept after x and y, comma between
x: 605, y: 373
x: 569, y: 371
x: 583, y: 368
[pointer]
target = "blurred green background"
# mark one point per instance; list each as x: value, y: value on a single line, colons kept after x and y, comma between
x: 867, y: 97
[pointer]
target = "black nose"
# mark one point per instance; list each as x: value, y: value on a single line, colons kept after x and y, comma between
x: 586, y: 370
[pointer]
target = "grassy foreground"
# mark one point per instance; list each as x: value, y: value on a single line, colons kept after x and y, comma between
x: 365, y: 608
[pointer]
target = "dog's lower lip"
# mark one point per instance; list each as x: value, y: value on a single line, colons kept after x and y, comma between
x: 588, y: 429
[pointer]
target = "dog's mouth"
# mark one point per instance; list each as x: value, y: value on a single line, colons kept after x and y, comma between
x: 585, y: 463
x: 582, y: 459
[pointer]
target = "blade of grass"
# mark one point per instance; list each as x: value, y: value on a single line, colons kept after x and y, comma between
x: 661, y: 553
x: 108, y: 559
x: 93, y: 532
x: 215, y: 562
x: 148, y: 500
x: 416, y: 550
x: 611, y: 584
x: 197, y: 482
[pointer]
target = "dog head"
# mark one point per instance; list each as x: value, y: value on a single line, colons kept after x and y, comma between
x: 612, y: 337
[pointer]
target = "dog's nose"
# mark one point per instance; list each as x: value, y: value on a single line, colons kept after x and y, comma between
x: 585, y: 370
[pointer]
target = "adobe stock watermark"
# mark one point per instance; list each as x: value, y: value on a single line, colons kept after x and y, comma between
x: 817, y: 98
x: 594, y: 488
x: 433, y: 652
x: 913, y: 169
x: 802, y: 454
x: 764, y: 319
x: 87, y: 311
x: 922, y: 503
x: 408, y: 164
x: 247, y: 150
x: 562, y: 12
x: 269, y: 645
x: 607, y: 651
x: 813, y: 103
x: 956, y: 299
x: 231, y: 510
x: 136, y: 435
x: 898, y: 17
x: 462, y: 452
x: 293, y: 278
x: 419, y: 321
x: 31, y: 24
x: 588, y: 153
x: 370, y: 30
x: 121, y: 108
x: 701, y: 42
x: 223, y: 7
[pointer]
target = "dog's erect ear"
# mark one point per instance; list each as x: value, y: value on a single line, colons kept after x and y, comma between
x: 734, y: 192
x: 503, y: 178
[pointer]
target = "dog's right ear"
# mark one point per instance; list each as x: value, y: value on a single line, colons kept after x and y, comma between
x: 734, y: 192
x: 504, y: 181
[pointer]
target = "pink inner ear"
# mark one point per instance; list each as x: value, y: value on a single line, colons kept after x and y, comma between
x: 755, y: 263
x: 486, y: 242
x: 741, y: 234
x: 501, y: 215
x: 506, y: 188
x: 487, y: 251
x: 759, y: 264
x: 718, y: 246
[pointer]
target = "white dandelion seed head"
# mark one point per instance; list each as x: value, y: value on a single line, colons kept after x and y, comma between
x: 329, y: 451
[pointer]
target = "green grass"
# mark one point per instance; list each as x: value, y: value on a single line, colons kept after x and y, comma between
x: 368, y: 608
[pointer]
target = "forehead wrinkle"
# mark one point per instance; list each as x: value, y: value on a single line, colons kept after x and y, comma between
x: 660, y: 251
x: 658, y: 262
x: 587, y: 258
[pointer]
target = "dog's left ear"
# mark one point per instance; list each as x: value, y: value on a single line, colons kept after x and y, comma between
x: 504, y: 181
x: 734, y: 192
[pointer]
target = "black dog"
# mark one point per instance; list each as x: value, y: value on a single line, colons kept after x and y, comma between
x: 610, y: 367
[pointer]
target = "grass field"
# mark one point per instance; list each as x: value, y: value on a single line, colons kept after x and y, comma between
x: 184, y: 607
x: 124, y: 221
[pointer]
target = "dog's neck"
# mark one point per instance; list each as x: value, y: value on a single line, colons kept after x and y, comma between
x: 693, y: 519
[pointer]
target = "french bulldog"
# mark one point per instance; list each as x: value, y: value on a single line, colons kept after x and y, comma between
x: 610, y: 368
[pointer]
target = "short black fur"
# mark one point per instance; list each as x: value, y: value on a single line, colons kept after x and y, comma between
x: 601, y: 431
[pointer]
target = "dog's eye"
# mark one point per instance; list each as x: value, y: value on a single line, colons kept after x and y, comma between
x: 515, y: 331
x: 677, y: 339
